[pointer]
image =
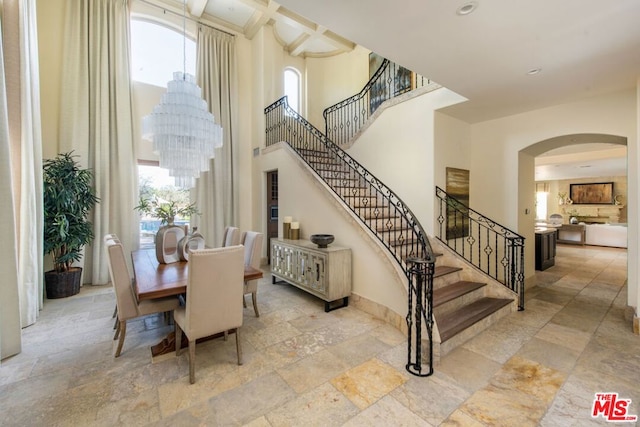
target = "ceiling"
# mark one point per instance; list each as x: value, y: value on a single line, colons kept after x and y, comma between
x: 582, y: 161
x: 299, y: 36
x: 582, y: 48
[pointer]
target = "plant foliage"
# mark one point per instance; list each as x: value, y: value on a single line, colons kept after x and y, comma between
x: 166, y: 211
x: 69, y: 196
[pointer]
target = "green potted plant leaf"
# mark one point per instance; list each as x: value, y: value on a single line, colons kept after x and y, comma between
x: 68, y: 198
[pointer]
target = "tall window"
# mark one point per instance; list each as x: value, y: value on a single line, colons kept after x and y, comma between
x: 541, y: 205
x: 157, y: 52
x: 292, y: 87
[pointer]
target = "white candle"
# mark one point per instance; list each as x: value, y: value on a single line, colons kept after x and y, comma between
x: 295, y: 225
x: 287, y: 219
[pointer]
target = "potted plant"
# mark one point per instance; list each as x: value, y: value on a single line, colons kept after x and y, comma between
x: 165, y: 211
x: 68, y: 197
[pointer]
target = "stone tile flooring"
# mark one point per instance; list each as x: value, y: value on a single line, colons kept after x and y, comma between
x: 302, y: 366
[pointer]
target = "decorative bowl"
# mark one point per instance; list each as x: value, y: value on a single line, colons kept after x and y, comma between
x: 322, y: 240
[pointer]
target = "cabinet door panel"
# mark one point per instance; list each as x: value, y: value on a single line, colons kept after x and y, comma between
x: 318, y: 266
x: 304, y: 268
x: 277, y: 259
x: 290, y: 269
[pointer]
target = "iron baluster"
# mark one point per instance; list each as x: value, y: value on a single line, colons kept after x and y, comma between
x: 500, y: 251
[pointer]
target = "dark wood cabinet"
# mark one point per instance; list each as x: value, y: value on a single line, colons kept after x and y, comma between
x: 545, y: 249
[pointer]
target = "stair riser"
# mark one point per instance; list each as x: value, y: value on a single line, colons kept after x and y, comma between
x: 359, y: 192
x: 474, y: 330
x: 336, y: 174
x: 459, y: 302
x: 321, y: 160
x: 384, y: 223
x: 394, y: 234
x: 366, y: 203
x: 447, y: 279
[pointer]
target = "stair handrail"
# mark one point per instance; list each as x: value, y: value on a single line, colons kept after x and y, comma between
x: 289, y: 116
x: 477, y: 238
x: 416, y: 264
x: 345, y: 119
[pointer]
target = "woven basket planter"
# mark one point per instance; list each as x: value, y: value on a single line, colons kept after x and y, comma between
x: 64, y: 284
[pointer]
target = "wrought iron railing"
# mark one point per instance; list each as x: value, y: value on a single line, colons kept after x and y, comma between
x: 345, y: 119
x: 487, y: 245
x: 376, y: 205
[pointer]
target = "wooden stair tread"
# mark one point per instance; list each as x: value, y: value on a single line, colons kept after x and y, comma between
x: 458, y: 320
x: 454, y: 290
x: 442, y: 270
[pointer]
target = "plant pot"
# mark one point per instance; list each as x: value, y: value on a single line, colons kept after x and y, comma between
x: 62, y: 284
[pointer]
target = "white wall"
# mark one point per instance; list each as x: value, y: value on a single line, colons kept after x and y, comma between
x: 50, y: 14
x: 303, y: 198
x: 331, y: 80
x: 399, y: 148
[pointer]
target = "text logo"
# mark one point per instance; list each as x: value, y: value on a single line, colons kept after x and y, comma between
x: 612, y: 408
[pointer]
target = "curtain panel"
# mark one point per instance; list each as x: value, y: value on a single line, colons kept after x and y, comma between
x: 216, y: 192
x: 10, y: 336
x: 97, y: 122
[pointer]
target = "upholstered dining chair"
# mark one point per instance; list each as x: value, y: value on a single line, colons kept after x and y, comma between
x: 105, y: 239
x: 214, y: 290
x: 231, y: 236
x: 127, y: 303
x: 252, y: 242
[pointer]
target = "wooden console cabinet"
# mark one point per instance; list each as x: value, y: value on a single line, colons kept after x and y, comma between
x: 323, y: 272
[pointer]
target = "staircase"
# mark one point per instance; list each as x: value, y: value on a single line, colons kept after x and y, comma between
x: 464, y: 300
x: 463, y: 308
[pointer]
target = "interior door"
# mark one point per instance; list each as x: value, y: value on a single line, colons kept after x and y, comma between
x: 272, y: 209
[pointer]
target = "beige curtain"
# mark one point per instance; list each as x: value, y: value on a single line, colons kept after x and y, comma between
x: 216, y: 192
x: 21, y: 294
x: 9, y: 300
x: 96, y: 119
x: 30, y: 256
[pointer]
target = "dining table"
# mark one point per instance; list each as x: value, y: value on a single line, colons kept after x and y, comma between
x: 156, y: 280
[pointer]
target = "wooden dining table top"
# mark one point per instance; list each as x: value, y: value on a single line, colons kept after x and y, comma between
x: 155, y: 280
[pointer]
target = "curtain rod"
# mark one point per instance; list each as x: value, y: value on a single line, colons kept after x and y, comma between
x: 181, y: 15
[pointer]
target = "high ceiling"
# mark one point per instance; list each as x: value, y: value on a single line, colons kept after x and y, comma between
x: 581, y: 48
x: 299, y: 36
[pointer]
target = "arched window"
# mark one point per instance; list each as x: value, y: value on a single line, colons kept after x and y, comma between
x: 292, y: 87
x: 157, y: 52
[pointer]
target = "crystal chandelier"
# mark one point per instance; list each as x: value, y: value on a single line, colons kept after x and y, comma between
x: 183, y: 131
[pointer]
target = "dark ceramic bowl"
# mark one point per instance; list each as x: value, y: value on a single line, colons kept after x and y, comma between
x: 322, y: 240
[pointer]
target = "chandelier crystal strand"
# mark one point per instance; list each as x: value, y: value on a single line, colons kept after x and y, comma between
x: 183, y: 131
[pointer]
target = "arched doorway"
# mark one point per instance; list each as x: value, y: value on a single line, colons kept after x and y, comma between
x: 576, y: 159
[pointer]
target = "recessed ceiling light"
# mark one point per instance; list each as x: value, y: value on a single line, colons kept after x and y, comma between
x: 467, y: 8
x: 534, y: 71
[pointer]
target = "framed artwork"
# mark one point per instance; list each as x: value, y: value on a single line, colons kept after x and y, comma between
x: 599, y: 193
x: 457, y: 214
x: 403, y: 81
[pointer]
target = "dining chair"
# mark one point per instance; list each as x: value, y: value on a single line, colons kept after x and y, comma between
x: 231, y: 236
x: 106, y: 238
x: 252, y: 242
x: 214, y: 290
x: 128, y: 305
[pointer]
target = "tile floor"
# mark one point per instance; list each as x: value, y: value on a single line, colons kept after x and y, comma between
x: 306, y: 367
